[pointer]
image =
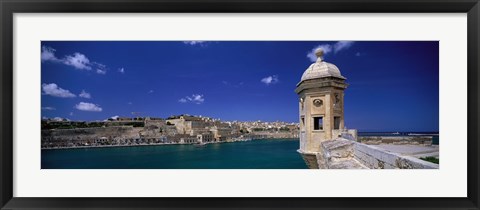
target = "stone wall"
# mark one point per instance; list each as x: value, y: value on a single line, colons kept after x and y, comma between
x: 412, y: 140
x: 351, y: 134
x: 339, y: 154
x: 81, y: 136
x: 376, y: 158
x: 346, y: 154
x: 124, y: 131
x: 311, y: 159
x: 276, y: 135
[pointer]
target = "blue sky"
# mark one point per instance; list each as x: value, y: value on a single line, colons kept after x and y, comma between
x: 394, y: 86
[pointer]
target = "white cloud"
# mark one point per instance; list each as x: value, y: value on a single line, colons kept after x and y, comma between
x: 198, y: 99
x: 121, y: 70
x: 101, y: 71
x: 99, y: 65
x: 327, y: 48
x: 195, y: 98
x: 84, y: 94
x: 270, y: 80
x: 49, y: 108
x: 342, y: 45
x: 78, y: 60
x: 48, y: 54
x: 53, y: 90
x: 194, y: 42
x: 89, y: 107
x: 60, y: 119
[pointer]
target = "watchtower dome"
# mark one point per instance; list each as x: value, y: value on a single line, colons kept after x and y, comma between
x: 321, y: 69
x: 321, y: 92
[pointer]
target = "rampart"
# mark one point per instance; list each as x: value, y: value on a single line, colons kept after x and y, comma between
x: 86, y: 136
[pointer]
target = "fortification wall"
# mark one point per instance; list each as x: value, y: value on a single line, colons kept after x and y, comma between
x: 278, y: 135
x: 400, y: 140
x: 91, y: 133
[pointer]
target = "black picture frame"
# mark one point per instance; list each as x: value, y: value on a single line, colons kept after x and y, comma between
x: 10, y: 7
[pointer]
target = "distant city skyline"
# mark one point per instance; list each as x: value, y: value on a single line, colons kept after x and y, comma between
x: 394, y: 86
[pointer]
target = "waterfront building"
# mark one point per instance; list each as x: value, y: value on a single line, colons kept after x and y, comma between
x: 187, y: 139
x: 205, y: 138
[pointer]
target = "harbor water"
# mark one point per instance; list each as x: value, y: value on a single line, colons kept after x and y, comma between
x: 254, y: 154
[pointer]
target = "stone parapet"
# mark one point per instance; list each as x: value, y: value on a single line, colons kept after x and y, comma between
x: 342, y: 153
x: 339, y: 154
x: 350, y: 134
x: 376, y: 158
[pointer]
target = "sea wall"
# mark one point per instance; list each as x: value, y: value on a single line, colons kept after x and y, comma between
x: 400, y: 140
x: 311, y: 159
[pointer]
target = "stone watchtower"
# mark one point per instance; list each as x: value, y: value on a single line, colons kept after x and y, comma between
x: 320, y: 94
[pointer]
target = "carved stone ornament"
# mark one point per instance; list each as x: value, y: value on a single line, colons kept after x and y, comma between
x: 317, y: 102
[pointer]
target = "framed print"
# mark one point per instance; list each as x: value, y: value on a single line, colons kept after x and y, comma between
x: 239, y: 105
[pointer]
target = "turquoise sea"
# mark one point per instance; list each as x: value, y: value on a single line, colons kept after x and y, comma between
x: 255, y: 154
